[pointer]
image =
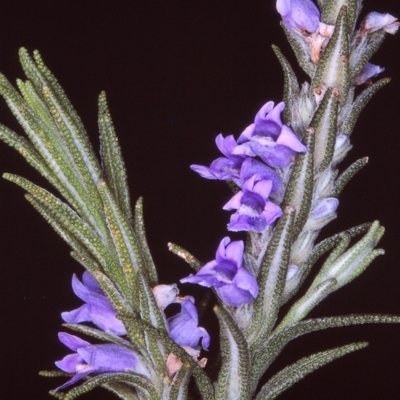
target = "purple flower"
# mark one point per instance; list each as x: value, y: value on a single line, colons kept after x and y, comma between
x: 223, y: 168
x: 252, y: 167
x: 234, y: 285
x: 97, y: 308
x: 99, y: 358
x: 369, y: 71
x: 255, y: 211
x: 184, y: 329
x: 269, y: 139
x: 299, y: 14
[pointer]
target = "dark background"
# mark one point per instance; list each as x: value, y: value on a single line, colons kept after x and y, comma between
x: 177, y: 73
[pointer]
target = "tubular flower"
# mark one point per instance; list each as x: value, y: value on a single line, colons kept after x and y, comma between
x: 299, y: 14
x: 184, y: 329
x: 223, y: 168
x: 234, y: 285
x: 254, y: 211
x: 97, y: 308
x: 100, y: 358
x: 269, y: 139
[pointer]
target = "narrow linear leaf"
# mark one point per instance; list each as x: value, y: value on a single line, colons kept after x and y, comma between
x: 300, y: 49
x: 299, y: 190
x: 271, y: 280
x: 362, y: 53
x: 325, y: 129
x: 122, y: 390
x: 140, y: 231
x: 333, y: 67
x: 346, y: 176
x: 124, y: 241
x: 186, y: 256
x: 112, y: 162
x: 293, y: 373
x: 137, y: 380
x: 233, y: 378
x: 100, y: 335
x: 34, y: 158
x: 291, y: 93
x: 304, y: 305
x: 178, y: 389
x: 359, y: 104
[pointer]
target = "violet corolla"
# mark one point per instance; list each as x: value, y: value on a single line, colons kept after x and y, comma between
x: 223, y: 168
x: 254, y: 210
x: 97, y: 309
x: 100, y: 358
x: 268, y: 138
x: 299, y: 14
x: 184, y: 329
x: 233, y: 284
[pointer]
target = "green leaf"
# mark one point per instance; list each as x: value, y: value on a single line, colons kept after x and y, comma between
x: 304, y: 305
x: 346, y: 176
x: 333, y: 67
x: 122, y: 390
x: 150, y: 269
x: 299, y: 190
x: 178, y: 389
x: 359, y: 104
x: 291, y: 115
x: 100, y: 335
x: 365, y: 49
x: 301, y: 50
x: 124, y: 239
x: 233, y: 378
x: 324, y: 124
x: 293, y: 373
x: 186, y: 256
x: 112, y: 162
x: 138, y: 381
x: 271, y: 280
x: 331, y: 9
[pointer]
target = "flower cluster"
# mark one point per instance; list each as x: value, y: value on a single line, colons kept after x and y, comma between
x: 251, y: 163
x: 94, y: 359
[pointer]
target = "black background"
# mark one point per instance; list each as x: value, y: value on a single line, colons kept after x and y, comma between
x: 177, y: 73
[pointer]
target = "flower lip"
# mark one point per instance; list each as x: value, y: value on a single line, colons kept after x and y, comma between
x: 254, y: 209
x: 269, y: 139
x: 97, y: 309
x: 184, y: 329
